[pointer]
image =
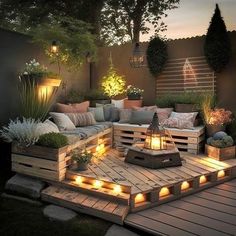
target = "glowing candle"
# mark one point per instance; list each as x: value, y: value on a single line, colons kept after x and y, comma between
x: 79, y: 180
x: 202, y: 179
x: 117, y: 189
x: 164, y: 192
x: 139, y: 198
x: 185, y: 185
x: 221, y: 174
x: 156, y: 143
x: 97, y: 184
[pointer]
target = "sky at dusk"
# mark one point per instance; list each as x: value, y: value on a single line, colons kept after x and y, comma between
x: 192, y: 18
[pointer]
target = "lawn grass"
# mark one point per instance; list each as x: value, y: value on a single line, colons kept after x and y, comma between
x: 22, y: 219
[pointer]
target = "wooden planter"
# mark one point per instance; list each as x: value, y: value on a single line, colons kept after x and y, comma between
x: 220, y: 154
x: 185, y: 108
x: 38, y: 161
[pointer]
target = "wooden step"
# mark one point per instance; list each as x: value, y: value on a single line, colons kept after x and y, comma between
x: 85, y: 203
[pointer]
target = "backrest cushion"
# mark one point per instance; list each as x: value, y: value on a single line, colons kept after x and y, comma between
x: 107, y: 109
x: 62, y: 121
x: 82, y: 119
x: 125, y: 115
x: 141, y: 117
x: 98, y: 113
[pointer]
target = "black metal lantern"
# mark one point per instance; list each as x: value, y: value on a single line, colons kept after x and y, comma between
x: 137, y: 59
x: 54, y: 47
x: 155, y: 138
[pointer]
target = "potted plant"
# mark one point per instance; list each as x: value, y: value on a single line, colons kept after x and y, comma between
x: 134, y: 93
x: 220, y: 146
x: 82, y: 158
x: 97, y: 96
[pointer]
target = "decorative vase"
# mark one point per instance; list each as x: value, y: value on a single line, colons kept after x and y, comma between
x: 134, y: 96
x: 82, y: 166
x: 212, y: 129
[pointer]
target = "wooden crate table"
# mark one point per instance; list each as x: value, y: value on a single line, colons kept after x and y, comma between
x: 186, y: 140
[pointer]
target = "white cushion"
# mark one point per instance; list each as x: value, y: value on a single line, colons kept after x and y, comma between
x: 47, y: 127
x: 62, y: 121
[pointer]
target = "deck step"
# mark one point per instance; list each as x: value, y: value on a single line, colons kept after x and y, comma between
x: 85, y: 203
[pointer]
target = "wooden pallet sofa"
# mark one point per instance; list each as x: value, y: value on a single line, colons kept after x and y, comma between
x: 51, y: 164
x: 188, y: 140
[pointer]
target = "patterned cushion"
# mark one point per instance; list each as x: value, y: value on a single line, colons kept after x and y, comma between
x: 163, y: 114
x: 62, y: 121
x: 141, y: 117
x: 191, y: 116
x: 145, y: 108
x: 118, y: 103
x: 125, y: 115
x: 82, y: 119
x: 98, y: 113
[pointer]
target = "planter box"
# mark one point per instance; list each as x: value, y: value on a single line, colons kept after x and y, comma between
x: 132, y: 103
x: 220, y: 154
x: 42, y: 162
x: 185, y: 108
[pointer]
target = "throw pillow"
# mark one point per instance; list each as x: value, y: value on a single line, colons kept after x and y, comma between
x: 98, y: 113
x: 163, y: 114
x: 178, y: 123
x: 145, y: 108
x: 191, y: 116
x: 107, y: 108
x: 82, y: 119
x: 80, y: 107
x: 141, y: 117
x: 62, y: 121
x: 115, y: 114
x: 47, y: 127
x: 118, y: 103
x: 125, y: 115
x: 64, y: 108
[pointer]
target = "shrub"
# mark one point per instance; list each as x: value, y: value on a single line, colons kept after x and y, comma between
x: 156, y: 55
x: 53, y: 140
x: 82, y: 156
x: 95, y: 94
x: 74, y: 96
x: 24, y: 132
x: 220, y: 140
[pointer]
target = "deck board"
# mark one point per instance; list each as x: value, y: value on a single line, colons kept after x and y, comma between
x: 210, y: 212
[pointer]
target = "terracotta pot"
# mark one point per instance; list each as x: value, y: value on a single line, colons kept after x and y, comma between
x: 132, y: 103
x: 212, y: 129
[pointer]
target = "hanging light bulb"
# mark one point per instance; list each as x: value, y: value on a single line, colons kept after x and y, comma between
x: 137, y: 58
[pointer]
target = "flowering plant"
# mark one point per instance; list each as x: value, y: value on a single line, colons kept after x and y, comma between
x: 219, y: 116
x: 131, y: 90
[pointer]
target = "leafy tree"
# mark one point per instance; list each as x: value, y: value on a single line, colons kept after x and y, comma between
x: 124, y: 20
x: 217, y: 46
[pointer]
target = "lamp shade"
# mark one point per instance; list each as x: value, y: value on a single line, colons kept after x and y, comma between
x: 155, y: 138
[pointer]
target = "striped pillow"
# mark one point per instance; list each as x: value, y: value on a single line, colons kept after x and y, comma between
x: 82, y: 119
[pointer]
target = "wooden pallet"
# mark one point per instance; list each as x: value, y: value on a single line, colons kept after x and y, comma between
x: 185, y: 140
x: 147, y: 185
x: 51, y: 164
x: 84, y: 203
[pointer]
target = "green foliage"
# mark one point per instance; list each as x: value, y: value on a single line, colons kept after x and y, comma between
x: 82, y: 156
x: 170, y: 100
x: 74, y: 38
x: 95, y: 94
x: 225, y: 141
x: 217, y: 46
x: 156, y: 55
x: 113, y: 84
x: 74, y: 96
x: 53, y: 140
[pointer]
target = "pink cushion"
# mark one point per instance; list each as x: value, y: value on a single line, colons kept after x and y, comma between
x: 72, y: 108
x: 81, y: 107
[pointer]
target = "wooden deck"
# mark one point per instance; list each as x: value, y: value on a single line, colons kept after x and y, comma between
x: 210, y: 212
x: 138, y: 188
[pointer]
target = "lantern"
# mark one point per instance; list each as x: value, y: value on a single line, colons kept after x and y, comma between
x: 54, y: 47
x: 137, y: 59
x: 155, y: 138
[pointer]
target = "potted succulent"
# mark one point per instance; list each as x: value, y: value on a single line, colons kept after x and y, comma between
x: 82, y: 158
x: 220, y: 146
x: 134, y: 93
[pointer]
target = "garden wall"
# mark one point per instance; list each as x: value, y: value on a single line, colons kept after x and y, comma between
x: 177, y: 49
x: 16, y: 49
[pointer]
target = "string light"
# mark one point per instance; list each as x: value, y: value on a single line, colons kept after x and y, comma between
x: 185, y: 185
x: 164, y: 192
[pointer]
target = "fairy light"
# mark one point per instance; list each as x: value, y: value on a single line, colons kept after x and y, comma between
x: 164, y: 192
x: 221, y: 174
x: 185, y: 185
x: 117, y: 189
x: 202, y: 179
x: 139, y: 198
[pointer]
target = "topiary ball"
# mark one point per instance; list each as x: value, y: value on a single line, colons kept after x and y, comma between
x: 228, y: 140
x: 209, y: 140
x: 218, y: 143
x: 219, y: 135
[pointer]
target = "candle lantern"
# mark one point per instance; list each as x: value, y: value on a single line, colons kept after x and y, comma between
x: 158, y: 150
